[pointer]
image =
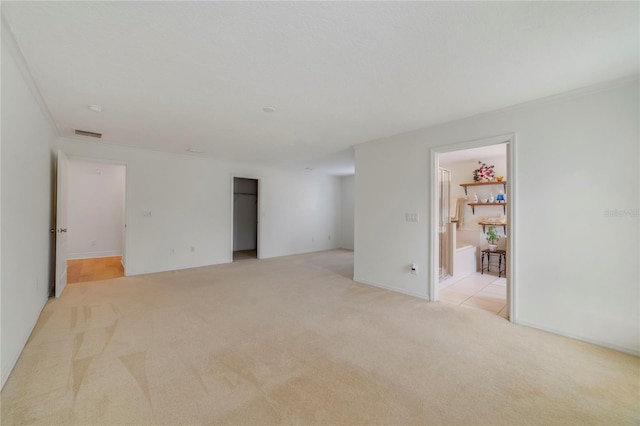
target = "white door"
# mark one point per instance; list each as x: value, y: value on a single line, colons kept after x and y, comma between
x: 61, y: 223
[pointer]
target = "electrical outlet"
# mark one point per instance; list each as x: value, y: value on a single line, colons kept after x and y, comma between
x: 414, y: 269
x: 193, y: 249
x: 93, y: 243
x: 172, y: 251
x: 329, y: 238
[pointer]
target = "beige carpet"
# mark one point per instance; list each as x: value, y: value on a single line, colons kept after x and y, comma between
x: 294, y: 341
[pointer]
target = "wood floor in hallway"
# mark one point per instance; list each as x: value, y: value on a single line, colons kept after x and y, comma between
x: 94, y: 269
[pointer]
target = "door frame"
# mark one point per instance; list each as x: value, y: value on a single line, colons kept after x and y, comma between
x: 510, y: 140
x: 125, y: 212
x: 258, y: 213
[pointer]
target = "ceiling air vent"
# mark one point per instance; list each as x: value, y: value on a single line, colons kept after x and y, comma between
x: 87, y: 133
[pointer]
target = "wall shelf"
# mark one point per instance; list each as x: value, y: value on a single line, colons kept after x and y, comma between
x: 484, y: 224
x: 473, y: 206
x: 493, y: 182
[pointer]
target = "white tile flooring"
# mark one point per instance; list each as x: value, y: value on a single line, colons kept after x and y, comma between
x: 487, y: 292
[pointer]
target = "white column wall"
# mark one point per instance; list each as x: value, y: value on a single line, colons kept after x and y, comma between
x: 348, y: 203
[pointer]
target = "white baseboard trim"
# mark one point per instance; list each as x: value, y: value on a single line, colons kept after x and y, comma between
x: 596, y: 342
x: 95, y: 254
x: 394, y: 289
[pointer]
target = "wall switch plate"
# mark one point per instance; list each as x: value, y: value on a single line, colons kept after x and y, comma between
x: 146, y: 213
x: 412, y: 217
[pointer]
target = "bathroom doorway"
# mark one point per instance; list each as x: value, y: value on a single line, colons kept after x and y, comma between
x: 245, y: 218
x: 472, y: 201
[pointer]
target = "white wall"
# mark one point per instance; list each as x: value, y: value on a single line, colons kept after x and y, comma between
x: 95, y: 209
x: 577, y: 210
x: 348, y: 202
x: 27, y: 158
x: 189, y: 198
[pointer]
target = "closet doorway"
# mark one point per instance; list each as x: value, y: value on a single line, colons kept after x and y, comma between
x: 245, y: 218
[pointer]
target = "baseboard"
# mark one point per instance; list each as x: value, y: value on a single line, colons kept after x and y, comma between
x: 596, y: 342
x: 14, y: 359
x: 95, y: 254
x: 394, y: 289
x: 312, y: 250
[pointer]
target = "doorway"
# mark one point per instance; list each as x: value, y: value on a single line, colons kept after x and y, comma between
x: 245, y: 218
x: 96, y: 193
x: 470, y: 204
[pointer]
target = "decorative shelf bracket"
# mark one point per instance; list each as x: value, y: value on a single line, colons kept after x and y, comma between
x: 473, y: 206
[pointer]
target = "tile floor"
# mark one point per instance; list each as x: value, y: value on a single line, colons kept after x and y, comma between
x: 487, y: 292
x: 94, y: 269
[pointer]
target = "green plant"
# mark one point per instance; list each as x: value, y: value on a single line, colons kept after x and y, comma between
x: 492, y: 235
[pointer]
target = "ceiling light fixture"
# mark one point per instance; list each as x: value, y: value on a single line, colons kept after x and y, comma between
x: 269, y: 109
x: 95, y: 108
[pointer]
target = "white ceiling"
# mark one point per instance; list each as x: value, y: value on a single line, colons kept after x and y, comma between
x: 484, y: 153
x: 173, y: 76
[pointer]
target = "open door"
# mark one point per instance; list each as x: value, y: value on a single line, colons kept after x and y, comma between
x: 61, y: 222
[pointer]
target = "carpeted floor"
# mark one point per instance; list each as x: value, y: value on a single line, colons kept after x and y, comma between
x: 294, y: 341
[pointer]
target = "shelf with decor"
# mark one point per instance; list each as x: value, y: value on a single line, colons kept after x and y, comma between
x: 473, y: 206
x: 492, y: 182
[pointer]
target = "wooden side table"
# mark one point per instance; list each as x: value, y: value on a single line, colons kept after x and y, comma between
x: 502, y: 261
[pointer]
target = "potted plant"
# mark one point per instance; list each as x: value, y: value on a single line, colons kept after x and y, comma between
x: 492, y: 238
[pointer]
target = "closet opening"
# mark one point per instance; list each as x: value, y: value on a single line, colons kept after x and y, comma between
x: 245, y: 218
